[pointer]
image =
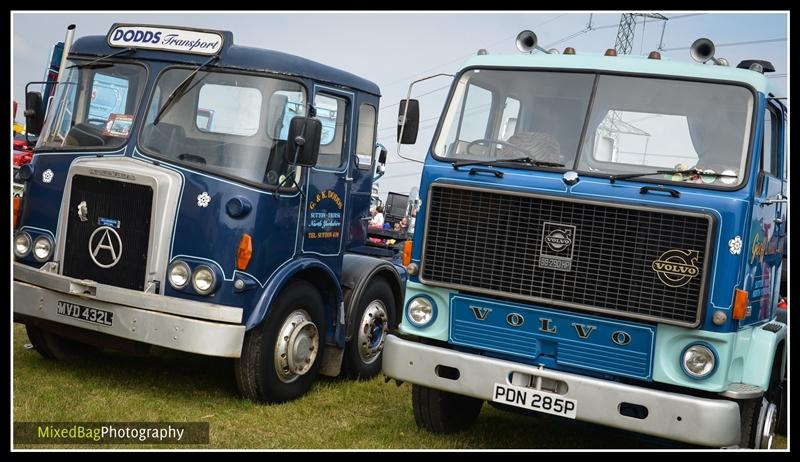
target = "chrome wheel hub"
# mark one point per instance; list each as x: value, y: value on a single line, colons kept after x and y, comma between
x: 769, y: 424
x: 296, y: 347
x: 372, y: 331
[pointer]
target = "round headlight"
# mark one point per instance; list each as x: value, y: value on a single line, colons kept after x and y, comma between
x: 203, y: 280
x: 179, y: 274
x: 420, y: 311
x: 42, y: 248
x: 698, y: 361
x: 22, y: 244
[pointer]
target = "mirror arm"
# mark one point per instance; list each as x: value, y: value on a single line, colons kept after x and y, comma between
x: 311, y: 113
x: 405, y: 112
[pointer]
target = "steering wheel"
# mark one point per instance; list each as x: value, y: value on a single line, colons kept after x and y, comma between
x: 488, y: 141
x: 192, y: 158
x: 96, y: 121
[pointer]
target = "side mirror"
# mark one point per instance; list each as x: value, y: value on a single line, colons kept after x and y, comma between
x: 382, y: 156
x: 302, y: 145
x: 408, y: 121
x: 34, y: 118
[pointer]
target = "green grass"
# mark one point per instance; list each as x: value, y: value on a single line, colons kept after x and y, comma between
x: 173, y: 386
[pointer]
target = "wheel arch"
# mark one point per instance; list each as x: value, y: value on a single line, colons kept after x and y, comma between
x: 358, y: 271
x: 312, y: 271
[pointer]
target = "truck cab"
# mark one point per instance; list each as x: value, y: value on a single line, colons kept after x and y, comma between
x: 207, y: 197
x: 602, y: 239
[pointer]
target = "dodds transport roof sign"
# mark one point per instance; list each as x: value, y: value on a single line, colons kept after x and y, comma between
x: 165, y: 39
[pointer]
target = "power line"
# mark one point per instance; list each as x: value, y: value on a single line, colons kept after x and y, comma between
x: 461, y: 58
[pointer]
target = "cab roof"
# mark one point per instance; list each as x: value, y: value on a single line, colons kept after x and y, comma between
x: 632, y: 64
x: 237, y: 57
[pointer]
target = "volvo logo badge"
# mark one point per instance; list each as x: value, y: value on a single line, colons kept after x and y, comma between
x: 105, y: 247
x: 557, y: 246
x: 83, y: 211
x: 676, y: 268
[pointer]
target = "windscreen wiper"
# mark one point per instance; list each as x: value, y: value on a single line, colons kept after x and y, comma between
x: 181, y: 89
x: 518, y: 160
x: 90, y: 63
x: 693, y: 171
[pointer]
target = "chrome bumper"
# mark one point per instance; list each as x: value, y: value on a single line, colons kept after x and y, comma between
x: 170, y: 322
x: 700, y: 421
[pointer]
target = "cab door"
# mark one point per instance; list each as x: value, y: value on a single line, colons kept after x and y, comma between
x: 328, y: 184
x: 767, y: 235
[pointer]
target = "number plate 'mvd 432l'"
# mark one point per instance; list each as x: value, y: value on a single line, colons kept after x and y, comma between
x: 535, y: 400
x: 85, y: 313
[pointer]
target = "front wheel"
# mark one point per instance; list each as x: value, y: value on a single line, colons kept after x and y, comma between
x: 281, y: 356
x: 443, y: 412
x: 371, y: 322
x: 52, y: 346
x: 759, y: 422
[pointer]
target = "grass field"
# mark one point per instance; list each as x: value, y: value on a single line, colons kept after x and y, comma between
x: 173, y: 386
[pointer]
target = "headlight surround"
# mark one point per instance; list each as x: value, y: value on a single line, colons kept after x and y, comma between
x: 22, y: 244
x: 179, y: 274
x: 699, y: 360
x: 421, y: 311
x: 203, y: 280
x: 42, y: 248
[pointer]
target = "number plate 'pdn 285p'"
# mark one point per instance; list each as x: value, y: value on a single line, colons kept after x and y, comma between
x: 535, y: 400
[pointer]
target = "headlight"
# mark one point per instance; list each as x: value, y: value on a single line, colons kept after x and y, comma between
x: 420, y: 311
x: 42, y: 248
x: 179, y: 274
x: 698, y: 361
x: 203, y: 280
x: 22, y: 244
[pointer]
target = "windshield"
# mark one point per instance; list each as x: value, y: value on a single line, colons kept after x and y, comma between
x: 498, y: 114
x: 93, y: 106
x: 635, y: 125
x: 230, y: 124
x: 640, y: 125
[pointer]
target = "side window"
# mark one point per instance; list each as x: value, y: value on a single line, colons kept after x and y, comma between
x: 331, y: 112
x: 508, y: 123
x: 109, y: 96
x: 284, y: 106
x: 365, y: 147
x: 769, y: 158
x: 228, y: 109
x: 477, y: 109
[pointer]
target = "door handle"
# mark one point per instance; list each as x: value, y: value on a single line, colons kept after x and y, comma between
x: 776, y: 199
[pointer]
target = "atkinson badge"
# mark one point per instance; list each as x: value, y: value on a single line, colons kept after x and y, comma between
x: 105, y: 247
x: 676, y: 268
x: 557, y: 246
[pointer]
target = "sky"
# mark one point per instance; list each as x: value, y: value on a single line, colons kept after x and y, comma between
x: 394, y: 48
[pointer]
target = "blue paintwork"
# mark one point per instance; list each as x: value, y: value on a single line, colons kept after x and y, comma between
x: 735, y: 213
x: 558, y: 338
x: 280, y: 227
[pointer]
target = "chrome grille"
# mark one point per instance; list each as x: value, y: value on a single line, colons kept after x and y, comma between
x: 492, y: 242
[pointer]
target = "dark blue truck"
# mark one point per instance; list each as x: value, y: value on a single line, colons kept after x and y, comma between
x: 185, y: 194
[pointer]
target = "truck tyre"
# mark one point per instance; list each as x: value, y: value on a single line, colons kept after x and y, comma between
x: 281, y: 356
x: 443, y: 412
x: 51, y: 346
x: 759, y: 422
x: 782, y: 408
x: 370, y: 322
